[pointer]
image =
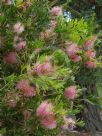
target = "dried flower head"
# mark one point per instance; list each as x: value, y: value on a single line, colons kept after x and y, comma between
x: 69, y: 123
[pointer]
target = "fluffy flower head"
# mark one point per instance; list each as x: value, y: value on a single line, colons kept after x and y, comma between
x: 91, y: 64
x: 76, y: 58
x: 45, y: 109
x: 56, y: 11
x: 19, y: 46
x: 44, y: 68
x: 90, y: 54
x: 27, y: 90
x: 71, y: 92
x: 18, y: 28
x: 10, y: 58
x: 49, y: 122
x: 90, y: 43
x: 72, y: 50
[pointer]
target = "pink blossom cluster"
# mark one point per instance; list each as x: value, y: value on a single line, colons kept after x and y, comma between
x: 44, y: 68
x: 49, y: 33
x: 90, y: 53
x: 56, y: 11
x: 91, y: 64
x: 90, y: 43
x: 71, y: 92
x: 18, y: 28
x: 49, y: 122
x: 46, y: 115
x: 72, y: 51
x: 10, y: 58
x: 26, y: 88
x: 19, y: 43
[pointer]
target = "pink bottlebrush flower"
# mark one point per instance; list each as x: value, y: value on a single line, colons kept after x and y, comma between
x: 56, y: 11
x: 38, y: 68
x: 71, y: 92
x: 72, y: 50
x: 69, y: 123
x: 44, y: 68
x: 76, y: 58
x: 27, y: 114
x: 27, y: 90
x: 47, y: 67
x: 18, y: 28
x: 90, y: 54
x: 22, y: 85
x: 12, y: 103
x: 90, y: 43
x: 49, y: 122
x: 21, y: 45
x: 45, y: 109
x: 10, y: 58
x: 8, y: 2
x: 91, y: 64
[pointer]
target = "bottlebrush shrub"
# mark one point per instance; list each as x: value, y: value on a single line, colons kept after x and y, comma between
x: 40, y: 56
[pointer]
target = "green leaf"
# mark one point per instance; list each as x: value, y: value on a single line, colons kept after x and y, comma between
x: 19, y: 2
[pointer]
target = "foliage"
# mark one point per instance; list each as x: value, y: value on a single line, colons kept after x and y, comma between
x: 40, y: 57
